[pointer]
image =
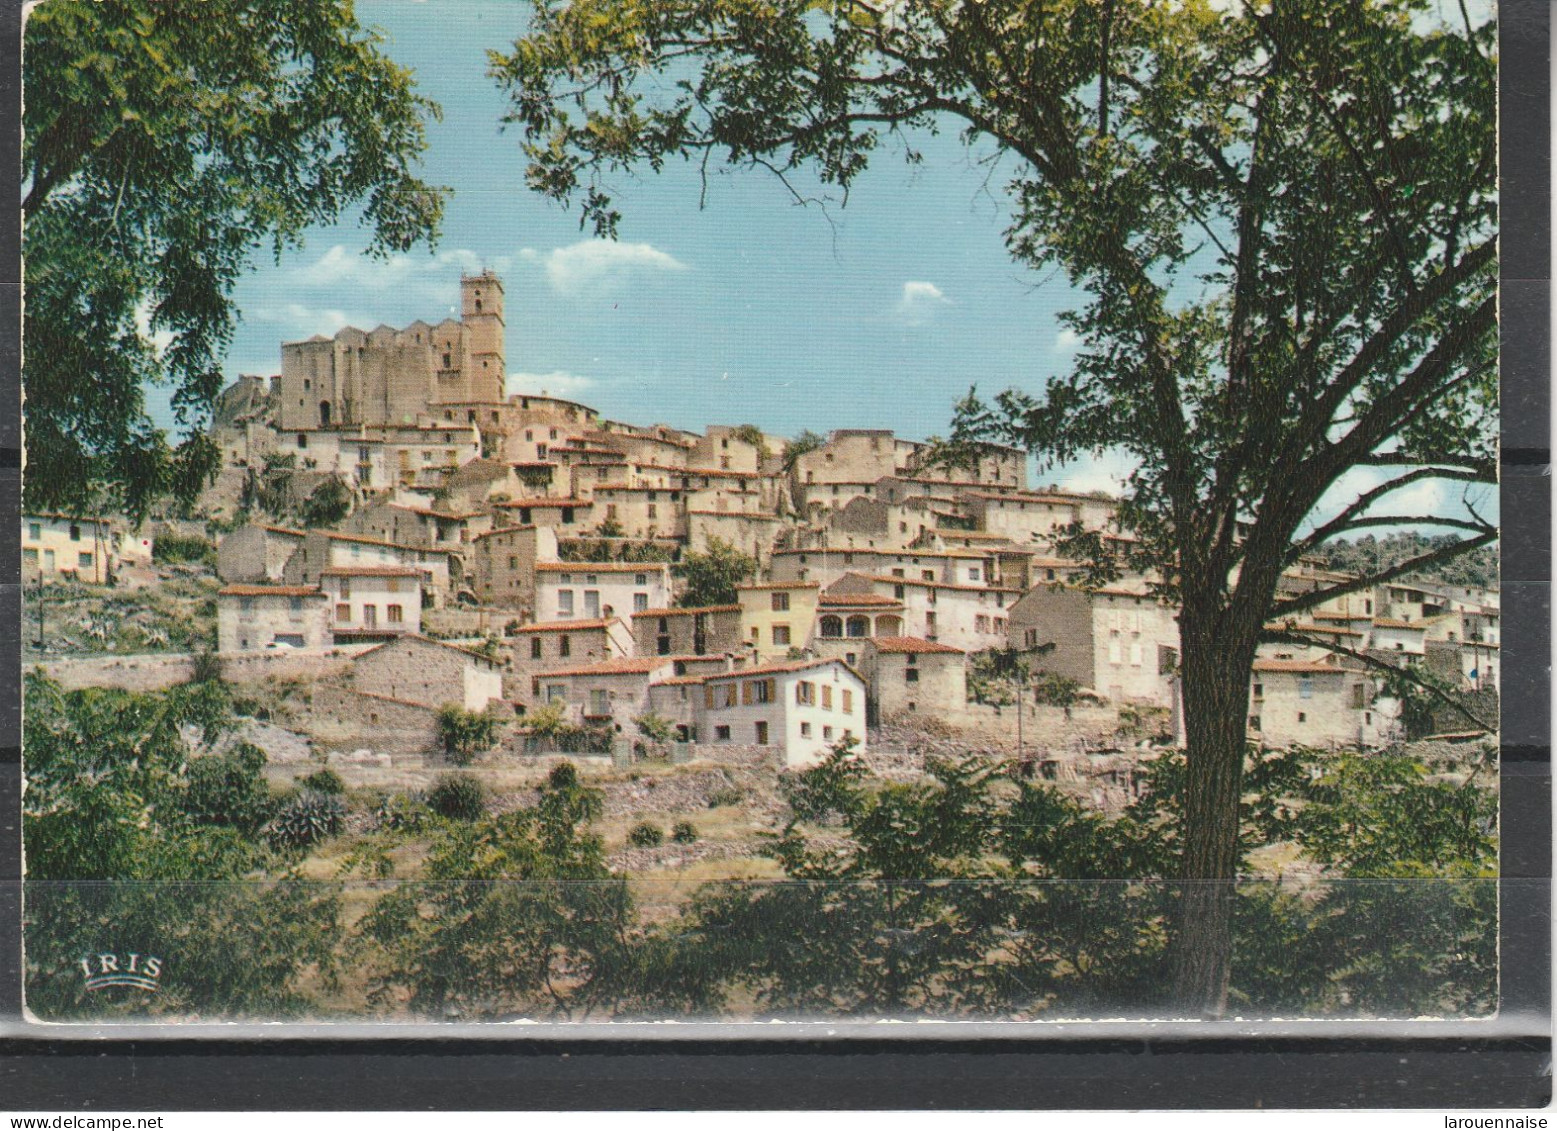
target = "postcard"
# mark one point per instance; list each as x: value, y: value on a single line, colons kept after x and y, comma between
x: 601, y: 511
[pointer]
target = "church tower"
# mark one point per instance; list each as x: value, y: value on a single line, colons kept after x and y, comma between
x: 481, y: 312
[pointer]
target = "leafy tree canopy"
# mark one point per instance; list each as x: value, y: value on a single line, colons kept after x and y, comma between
x: 709, y: 577
x: 164, y: 143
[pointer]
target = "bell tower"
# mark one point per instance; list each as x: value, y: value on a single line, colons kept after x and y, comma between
x: 481, y: 313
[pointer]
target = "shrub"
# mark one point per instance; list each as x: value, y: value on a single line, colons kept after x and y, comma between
x: 307, y: 819
x: 205, y: 667
x: 646, y: 834
x: 172, y: 547
x: 403, y: 812
x: 656, y: 728
x: 463, y: 734
x: 1055, y: 690
x: 726, y: 795
x: 458, y: 798
x: 229, y: 790
x: 684, y: 832
x: 324, y: 781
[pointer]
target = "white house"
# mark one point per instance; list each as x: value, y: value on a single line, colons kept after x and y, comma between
x: 596, y: 590
x: 373, y: 602
x: 803, y: 707
x: 258, y: 618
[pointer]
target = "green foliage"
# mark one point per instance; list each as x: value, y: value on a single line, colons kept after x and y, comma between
x: 403, y: 812
x: 610, y: 528
x: 229, y: 790
x: 114, y: 792
x: 521, y: 917
x: 205, y: 667
x: 684, y: 832
x: 997, y: 677
x: 323, y: 781
x: 306, y: 819
x: 458, y: 797
x: 1369, y: 554
x: 1055, y: 690
x: 161, y: 149
x: 710, y: 577
x: 645, y: 834
x: 750, y: 434
x: 726, y: 795
x: 172, y: 547
x: 656, y: 728
x: 807, y: 441
x: 327, y: 504
x: 464, y: 734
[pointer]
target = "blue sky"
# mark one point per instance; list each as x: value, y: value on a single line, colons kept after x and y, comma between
x: 750, y: 310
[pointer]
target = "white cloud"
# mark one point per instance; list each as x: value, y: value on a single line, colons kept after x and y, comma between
x: 598, y: 266
x: 340, y: 266
x: 159, y: 340
x: 305, y: 320
x: 1067, y: 341
x: 1086, y: 473
x: 919, y: 302
x: 557, y: 383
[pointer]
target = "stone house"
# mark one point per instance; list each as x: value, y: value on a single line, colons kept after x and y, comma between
x: 256, y: 553
x: 567, y: 517
x: 1118, y: 642
x: 1468, y: 665
x: 567, y: 643
x: 854, y: 613
x: 720, y: 447
x: 803, y: 707
x: 440, y: 570
x: 971, y: 617
x: 505, y: 563
x: 1312, y: 703
x: 641, y: 512
x: 596, y: 590
x: 826, y: 565
x: 406, y: 524
x: 610, y: 693
x: 372, y: 602
x: 1400, y: 637
x: 777, y: 616
x: 752, y: 533
x: 914, y: 677
x: 429, y: 673
x: 252, y: 618
x: 698, y: 631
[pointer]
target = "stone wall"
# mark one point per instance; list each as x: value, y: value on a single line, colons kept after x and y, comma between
x: 155, y: 671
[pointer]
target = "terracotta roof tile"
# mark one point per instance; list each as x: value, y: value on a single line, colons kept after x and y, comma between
x: 911, y: 644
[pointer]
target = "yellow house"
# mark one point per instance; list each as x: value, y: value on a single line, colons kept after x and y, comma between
x: 56, y: 545
x: 777, y: 616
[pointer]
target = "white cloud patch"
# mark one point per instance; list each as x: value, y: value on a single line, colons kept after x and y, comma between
x: 1067, y: 341
x: 557, y: 383
x: 305, y: 321
x: 339, y: 266
x: 1094, y: 473
x: 159, y: 340
x: 919, y: 302
x: 599, y: 266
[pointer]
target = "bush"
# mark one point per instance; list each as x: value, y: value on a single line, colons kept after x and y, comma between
x: 684, y: 832
x: 656, y: 728
x: 463, y: 734
x: 458, y: 798
x: 307, y: 819
x: 324, y: 781
x: 1055, y: 690
x: 182, y: 548
x: 403, y: 812
x: 646, y: 834
x: 229, y: 790
x: 726, y: 795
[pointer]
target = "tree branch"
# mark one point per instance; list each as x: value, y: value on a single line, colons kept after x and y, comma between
x: 1306, y: 601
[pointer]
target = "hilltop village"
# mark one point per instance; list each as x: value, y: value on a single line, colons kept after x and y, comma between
x: 391, y: 523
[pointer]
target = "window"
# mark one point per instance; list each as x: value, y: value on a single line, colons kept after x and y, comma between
x: 827, y: 697
x: 911, y: 675
x: 640, y: 602
x: 654, y: 511
x: 556, y: 693
x: 1259, y: 691
x: 535, y: 647
x: 35, y: 530
x: 805, y: 730
x: 980, y: 624
x: 599, y: 702
x: 84, y: 561
x: 343, y: 613
x: 513, y: 561
x: 708, y: 698
x: 640, y: 579
x: 781, y: 602
x: 805, y: 693
x: 858, y: 626
x: 832, y: 626
x: 591, y: 603
x: 762, y: 734
x: 565, y: 602
x: 1114, y: 654
x: 781, y: 634
x: 767, y: 690
x: 246, y: 607
x: 827, y: 734
x: 848, y: 700
x: 564, y: 645
x: 927, y: 574
x: 1302, y: 717
x: 75, y: 532
x: 722, y: 734
x: 973, y: 574
x: 1359, y: 696
x: 395, y: 615
x: 1305, y: 688
x: 1254, y: 722
x: 1135, y: 654
x: 295, y: 607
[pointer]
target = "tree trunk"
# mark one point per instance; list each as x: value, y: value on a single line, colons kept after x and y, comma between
x: 1215, y: 693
